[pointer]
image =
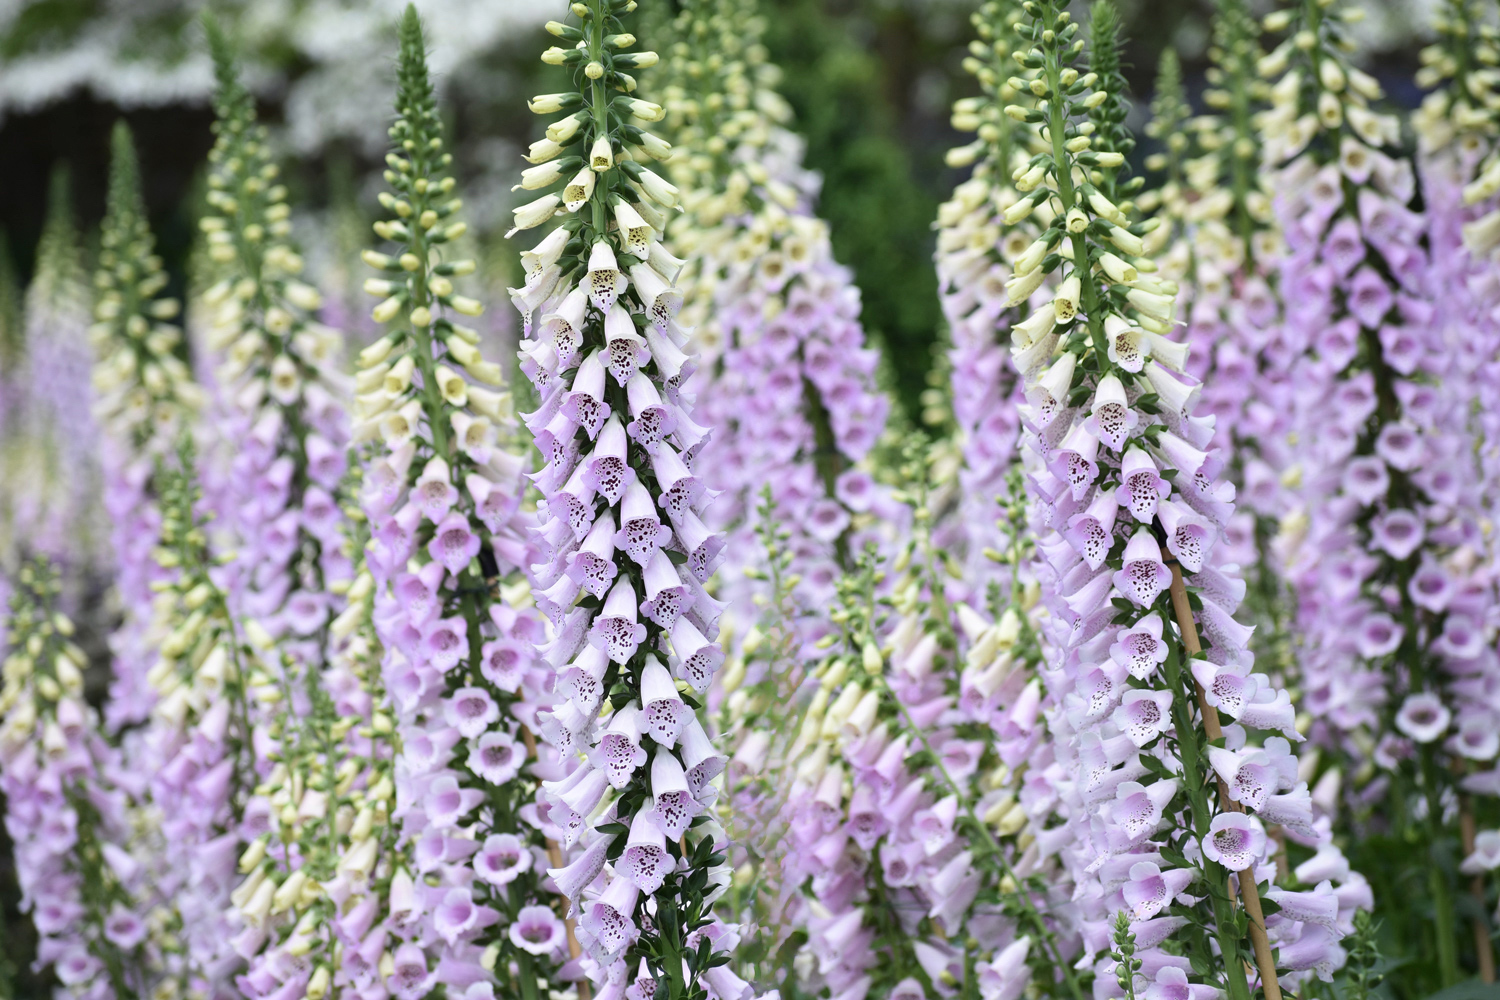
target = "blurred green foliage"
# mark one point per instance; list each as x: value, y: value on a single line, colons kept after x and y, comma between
x: 880, y: 217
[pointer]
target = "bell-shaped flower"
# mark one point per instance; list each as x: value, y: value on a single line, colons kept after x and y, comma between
x: 1143, y: 576
x: 1377, y: 635
x: 1189, y: 461
x: 573, y: 799
x: 1423, y: 717
x: 608, y: 471
x: 645, y: 862
x: 619, y: 750
x: 566, y: 727
x: 471, y: 710
x: 593, y: 566
x: 662, y: 302
x: 454, y: 543
x: 1320, y: 906
x: 1150, y: 890
x: 605, y: 281
x: 446, y: 804
x: 1247, y: 775
x: 582, y: 683
x: 459, y: 916
x: 1141, y: 487
x: 1112, y: 419
x: 1128, y: 346
x: 537, y: 930
x: 667, y: 596
x: 703, y: 547
x: 609, y: 921
x: 674, y: 806
x: 1006, y: 976
x: 1174, y: 395
x: 681, y: 490
x: 1190, y: 537
x: 664, y: 713
x: 1172, y: 984
x: 651, y: 420
x: 574, y: 503
x: 409, y: 978
x: 641, y: 532
x: 573, y: 878
x: 496, y: 757
x: 502, y: 859
x: 1397, y: 532
x: 1136, y: 811
x: 556, y: 600
x: 617, y: 628
x: 1235, y: 841
x: 584, y: 403
x: 625, y: 349
x: 1143, y: 715
x: 1140, y: 649
x: 1091, y: 533
x: 1074, y: 460
x: 694, y: 658
x: 503, y: 663
x: 1048, y: 395
x: 445, y: 642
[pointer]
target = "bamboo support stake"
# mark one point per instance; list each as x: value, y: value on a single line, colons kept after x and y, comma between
x: 554, y: 854
x: 1482, y: 946
x: 1261, y: 944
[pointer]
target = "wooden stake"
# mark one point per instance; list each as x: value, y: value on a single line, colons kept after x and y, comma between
x: 1481, y: 929
x: 1249, y: 893
x: 554, y: 853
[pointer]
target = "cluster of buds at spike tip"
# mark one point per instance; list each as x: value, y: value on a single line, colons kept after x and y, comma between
x: 463, y: 683
x: 786, y: 379
x: 975, y: 245
x: 76, y: 862
x: 282, y: 428
x: 212, y: 693
x: 144, y: 397
x: 1129, y: 511
x: 51, y: 497
x: 1385, y: 549
x: 622, y: 552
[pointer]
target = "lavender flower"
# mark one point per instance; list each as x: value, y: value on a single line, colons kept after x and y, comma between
x: 1386, y: 453
x: 787, y: 381
x: 67, y: 808
x: 603, y: 346
x: 144, y: 399
x: 460, y: 670
x: 279, y: 455
x: 1107, y: 323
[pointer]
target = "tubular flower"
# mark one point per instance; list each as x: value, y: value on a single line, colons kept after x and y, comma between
x: 786, y: 379
x: 462, y: 681
x: 1386, y: 461
x: 619, y: 446
x: 281, y: 438
x: 67, y: 808
x: 1138, y: 748
x: 144, y: 398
